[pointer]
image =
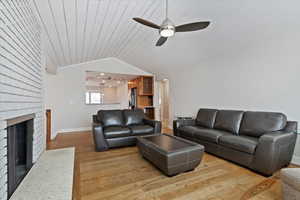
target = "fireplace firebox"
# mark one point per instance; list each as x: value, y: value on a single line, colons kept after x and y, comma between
x: 19, y: 150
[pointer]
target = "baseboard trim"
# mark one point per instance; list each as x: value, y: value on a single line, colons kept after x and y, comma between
x: 296, y: 160
x: 71, y: 130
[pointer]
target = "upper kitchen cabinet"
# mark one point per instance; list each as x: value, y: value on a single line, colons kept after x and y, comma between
x: 145, y: 85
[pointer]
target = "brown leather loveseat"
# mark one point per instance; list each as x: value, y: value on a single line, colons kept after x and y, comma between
x: 117, y: 128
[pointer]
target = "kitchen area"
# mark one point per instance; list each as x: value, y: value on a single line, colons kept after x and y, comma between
x: 141, y: 95
x: 128, y: 91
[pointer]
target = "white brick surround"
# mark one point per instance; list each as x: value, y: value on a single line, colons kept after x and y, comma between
x: 21, y: 76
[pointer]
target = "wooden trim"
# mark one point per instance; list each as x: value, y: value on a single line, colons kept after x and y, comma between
x: 48, y: 127
x: 17, y: 120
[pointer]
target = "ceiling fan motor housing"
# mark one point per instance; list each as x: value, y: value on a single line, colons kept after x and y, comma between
x: 167, y: 29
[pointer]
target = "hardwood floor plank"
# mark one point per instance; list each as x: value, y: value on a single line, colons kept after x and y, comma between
x: 122, y: 173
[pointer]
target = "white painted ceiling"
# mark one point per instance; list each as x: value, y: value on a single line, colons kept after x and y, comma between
x: 83, y: 30
x: 78, y: 31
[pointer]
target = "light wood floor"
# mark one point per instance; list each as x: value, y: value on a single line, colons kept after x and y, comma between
x: 123, y: 174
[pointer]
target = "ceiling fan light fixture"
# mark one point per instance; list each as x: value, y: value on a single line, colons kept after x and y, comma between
x: 168, y: 31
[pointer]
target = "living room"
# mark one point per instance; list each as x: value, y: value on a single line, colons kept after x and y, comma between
x: 149, y: 99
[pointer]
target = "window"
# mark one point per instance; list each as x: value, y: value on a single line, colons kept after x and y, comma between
x: 94, y: 98
x: 87, y: 98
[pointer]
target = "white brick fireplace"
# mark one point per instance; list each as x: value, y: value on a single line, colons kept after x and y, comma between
x: 21, y: 76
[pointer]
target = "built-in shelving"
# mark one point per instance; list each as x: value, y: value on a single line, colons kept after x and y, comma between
x: 144, y: 86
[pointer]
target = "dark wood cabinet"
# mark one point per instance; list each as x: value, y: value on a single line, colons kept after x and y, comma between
x: 149, y: 112
x: 145, y: 92
x: 145, y: 85
x: 148, y: 85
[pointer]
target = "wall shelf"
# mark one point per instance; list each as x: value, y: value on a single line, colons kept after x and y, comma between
x: 144, y: 86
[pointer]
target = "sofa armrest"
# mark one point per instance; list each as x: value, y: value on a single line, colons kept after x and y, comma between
x: 154, y: 123
x: 99, y: 140
x: 182, y: 122
x: 274, y: 151
x: 291, y: 126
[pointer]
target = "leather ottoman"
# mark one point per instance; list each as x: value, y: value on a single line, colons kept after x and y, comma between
x: 171, y: 154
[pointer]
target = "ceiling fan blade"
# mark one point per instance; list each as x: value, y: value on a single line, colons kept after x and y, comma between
x: 161, y: 41
x: 192, y: 26
x: 146, y: 23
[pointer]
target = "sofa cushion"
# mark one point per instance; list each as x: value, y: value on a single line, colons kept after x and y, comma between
x: 111, y: 117
x: 229, y: 120
x: 188, y: 131
x: 206, y: 117
x: 133, y: 117
x: 116, y: 131
x: 240, y: 143
x: 257, y: 123
x: 141, y: 129
x: 209, y: 135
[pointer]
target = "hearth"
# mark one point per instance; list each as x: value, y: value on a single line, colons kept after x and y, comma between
x: 19, y: 150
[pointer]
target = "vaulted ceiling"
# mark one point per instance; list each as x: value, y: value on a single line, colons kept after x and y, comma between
x: 78, y: 31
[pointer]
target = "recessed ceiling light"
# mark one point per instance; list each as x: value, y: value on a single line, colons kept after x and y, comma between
x: 118, y: 82
x: 103, y: 81
x: 102, y: 74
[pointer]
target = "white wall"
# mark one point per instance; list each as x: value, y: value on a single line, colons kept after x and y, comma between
x: 112, y: 95
x: 248, y: 58
x: 65, y: 94
x: 261, y: 76
x: 260, y: 82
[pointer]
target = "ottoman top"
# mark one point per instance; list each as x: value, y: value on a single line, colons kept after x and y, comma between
x: 169, y: 143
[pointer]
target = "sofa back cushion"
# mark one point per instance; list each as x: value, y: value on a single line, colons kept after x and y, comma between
x: 111, y: 117
x: 206, y: 117
x: 133, y: 117
x: 255, y: 124
x: 229, y: 120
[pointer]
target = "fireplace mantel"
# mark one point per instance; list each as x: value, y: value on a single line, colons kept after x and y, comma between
x: 16, y: 120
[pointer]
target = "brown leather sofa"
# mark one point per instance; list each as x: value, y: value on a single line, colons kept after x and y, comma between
x: 117, y: 128
x: 261, y: 141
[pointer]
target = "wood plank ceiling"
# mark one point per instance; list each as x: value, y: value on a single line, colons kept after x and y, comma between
x: 78, y: 31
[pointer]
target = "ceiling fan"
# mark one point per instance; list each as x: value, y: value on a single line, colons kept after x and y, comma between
x: 168, y: 29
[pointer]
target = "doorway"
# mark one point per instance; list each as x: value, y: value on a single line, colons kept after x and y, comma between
x: 164, y: 103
